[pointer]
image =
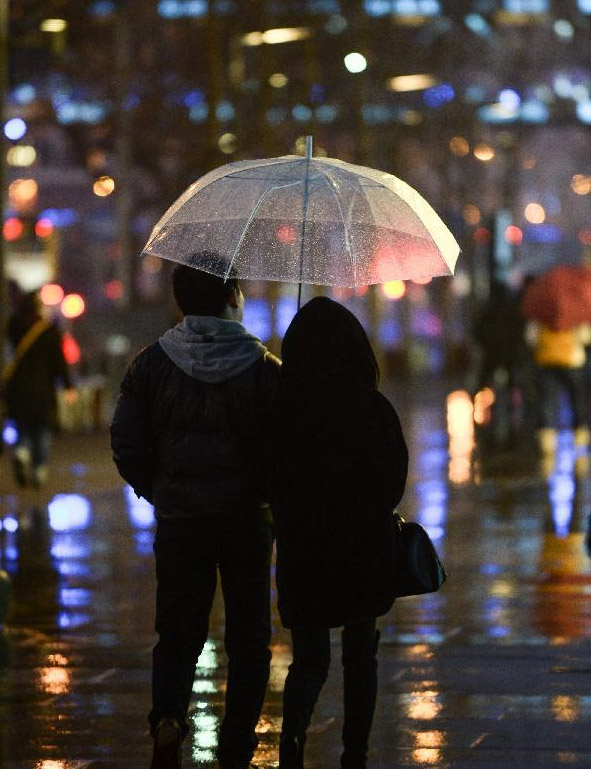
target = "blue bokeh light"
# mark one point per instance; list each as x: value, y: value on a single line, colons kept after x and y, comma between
x: 69, y: 512
x: 15, y: 129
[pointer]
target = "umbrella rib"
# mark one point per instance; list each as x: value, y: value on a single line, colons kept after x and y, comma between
x: 332, y: 184
x: 269, y: 189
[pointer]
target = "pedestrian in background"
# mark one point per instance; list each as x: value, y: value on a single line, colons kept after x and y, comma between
x: 498, y: 331
x: 560, y: 362
x: 186, y: 435
x: 30, y: 383
x: 337, y: 467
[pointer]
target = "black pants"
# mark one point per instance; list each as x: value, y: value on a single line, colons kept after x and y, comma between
x: 308, y: 672
x: 188, y: 554
x: 551, y: 382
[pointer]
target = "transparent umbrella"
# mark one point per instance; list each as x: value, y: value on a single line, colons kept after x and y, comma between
x: 305, y: 220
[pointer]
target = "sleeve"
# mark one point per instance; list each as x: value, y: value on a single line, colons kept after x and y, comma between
x: 387, y: 455
x: 131, y: 434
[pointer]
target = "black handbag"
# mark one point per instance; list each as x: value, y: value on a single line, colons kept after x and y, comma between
x: 418, y: 568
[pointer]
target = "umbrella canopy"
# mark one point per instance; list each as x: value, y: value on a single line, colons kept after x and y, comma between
x: 305, y: 220
x: 560, y: 298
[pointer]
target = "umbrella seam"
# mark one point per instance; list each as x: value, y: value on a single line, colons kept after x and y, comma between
x: 251, y: 217
x: 347, y: 240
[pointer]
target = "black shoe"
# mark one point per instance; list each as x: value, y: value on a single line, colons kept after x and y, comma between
x: 291, y: 752
x: 167, y: 745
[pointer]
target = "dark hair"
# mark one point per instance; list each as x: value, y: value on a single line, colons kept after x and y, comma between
x: 325, y: 339
x: 202, y: 293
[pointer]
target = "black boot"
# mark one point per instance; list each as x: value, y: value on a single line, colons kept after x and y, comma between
x: 291, y: 752
x: 360, y: 682
x: 167, y: 745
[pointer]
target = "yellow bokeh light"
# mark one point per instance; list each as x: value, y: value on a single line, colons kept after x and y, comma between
x: 484, y: 152
x: 459, y: 146
x: 535, y: 213
x: 581, y: 184
x: 50, y: 763
x: 72, y: 306
x: 55, y: 680
x: 278, y: 80
x: 228, y: 143
x: 565, y: 708
x: 53, y: 25
x: 394, y: 289
x: 471, y: 214
x: 22, y: 192
x: 483, y: 402
x: 424, y: 706
x: 403, y: 83
x: 460, y: 428
x: 21, y: 156
x: 103, y: 186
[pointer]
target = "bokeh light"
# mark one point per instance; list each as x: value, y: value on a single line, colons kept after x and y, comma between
x: 535, y: 213
x: 228, y: 143
x: 71, y: 349
x: 394, y: 289
x: 21, y: 156
x: 43, y: 228
x: 484, y: 152
x: 103, y: 186
x: 51, y: 294
x: 513, y: 235
x: 278, y: 80
x: 72, y: 306
x: 471, y: 214
x: 13, y: 229
x: 355, y: 62
x: 581, y: 184
x: 114, y: 290
x: 15, y: 128
x: 22, y: 193
x: 459, y: 146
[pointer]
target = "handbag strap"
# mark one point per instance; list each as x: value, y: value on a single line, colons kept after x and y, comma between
x: 25, y: 343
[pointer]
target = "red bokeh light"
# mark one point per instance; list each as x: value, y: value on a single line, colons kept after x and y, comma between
x: 71, y: 349
x: 114, y: 289
x: 13, y: 229
x: 513, y: 235
x: 286, y: 234
x: 43, y: 228
x: 585, y: 237
x: 482, y: 236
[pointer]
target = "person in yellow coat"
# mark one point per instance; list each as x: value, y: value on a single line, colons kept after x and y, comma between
x: 560, y: 363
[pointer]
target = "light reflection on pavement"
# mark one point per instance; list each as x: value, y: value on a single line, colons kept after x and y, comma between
x: 494, y: 670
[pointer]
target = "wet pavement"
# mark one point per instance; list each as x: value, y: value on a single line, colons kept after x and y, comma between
x: 492, y: 671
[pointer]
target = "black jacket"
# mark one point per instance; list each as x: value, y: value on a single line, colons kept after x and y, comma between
x: 191, y: 447
x: 338, y: 465
x: 31, y: 392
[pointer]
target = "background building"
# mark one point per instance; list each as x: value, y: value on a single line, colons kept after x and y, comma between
x: 114, y: 107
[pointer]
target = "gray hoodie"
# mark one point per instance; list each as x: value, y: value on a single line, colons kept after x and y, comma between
x: 211, y: 349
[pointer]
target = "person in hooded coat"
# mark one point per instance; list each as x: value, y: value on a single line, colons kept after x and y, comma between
x: 30, y: 384
x: 337, y: 466
x: 186, y: 436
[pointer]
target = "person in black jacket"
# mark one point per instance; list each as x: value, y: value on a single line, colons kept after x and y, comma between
x: 30, y: 383
x: 186, y: 436
x: 337, y: 464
